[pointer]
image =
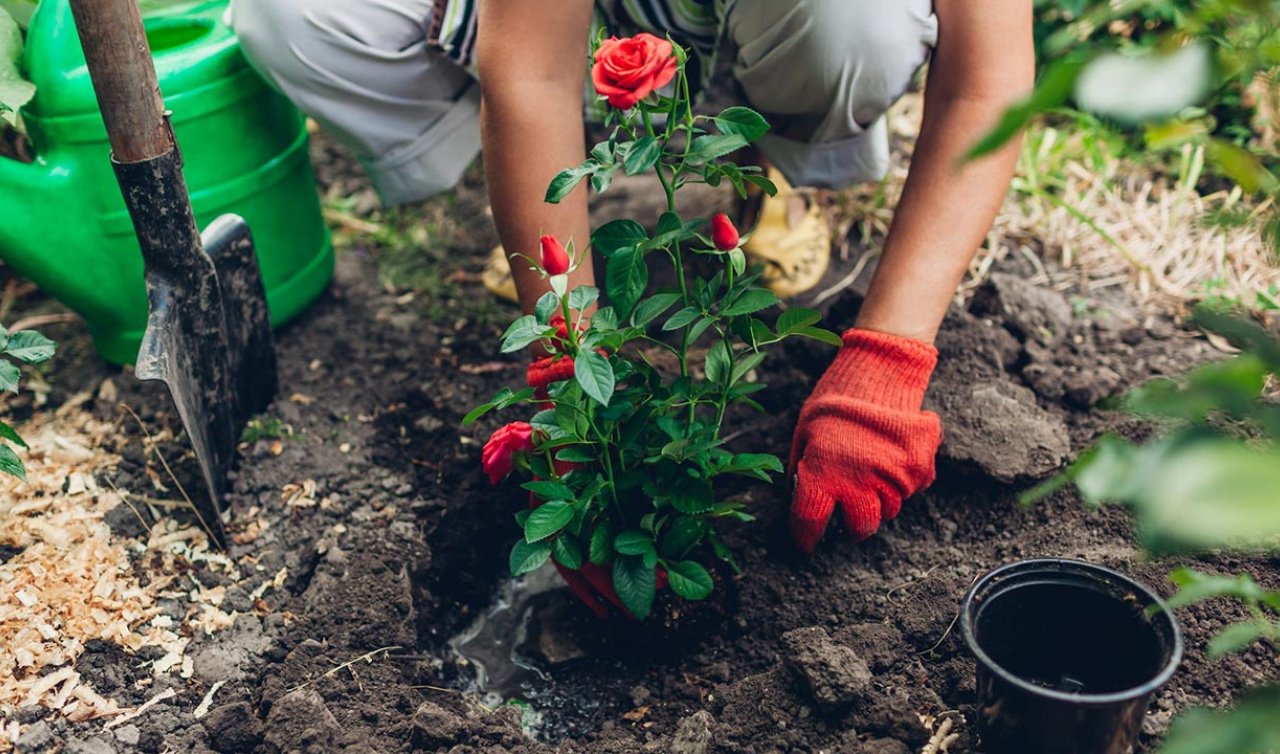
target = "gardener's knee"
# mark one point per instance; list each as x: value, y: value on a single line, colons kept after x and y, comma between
x: 320, y: 51
x: 848, y: 58
x: 282, y: 39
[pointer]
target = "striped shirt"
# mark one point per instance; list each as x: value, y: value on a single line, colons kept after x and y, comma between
x: 696, y: 24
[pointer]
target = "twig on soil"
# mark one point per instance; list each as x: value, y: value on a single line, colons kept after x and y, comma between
x: 439, y: 688
x: 124, y: 498
x: 207, y: 701
x: 900, y: 587
x: 173, y: 477
x: 954, y: 620
x: 40, y: 320
x: 168, y: 693
x: 367, y: 657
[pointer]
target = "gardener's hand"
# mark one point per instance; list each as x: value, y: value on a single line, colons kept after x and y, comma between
x: 863, y: 444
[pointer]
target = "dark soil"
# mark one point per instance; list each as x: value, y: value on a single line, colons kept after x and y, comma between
x: 852, y: 650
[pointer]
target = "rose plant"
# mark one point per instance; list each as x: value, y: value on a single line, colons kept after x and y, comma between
x: 623, y: 452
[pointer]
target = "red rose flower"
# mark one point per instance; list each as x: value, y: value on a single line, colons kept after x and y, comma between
x: 499, y: 453
x: 627, y: 70
x: 555, y: 260
x: 723, y: 234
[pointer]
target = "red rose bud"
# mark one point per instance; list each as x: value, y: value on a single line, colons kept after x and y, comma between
x: 723, y: 234
x: 628, y: 70
x: 555, y: 260
x: 498, y: 456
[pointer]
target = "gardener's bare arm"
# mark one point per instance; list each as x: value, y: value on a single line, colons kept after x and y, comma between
x: 984, y: 61
x: 532, y: 63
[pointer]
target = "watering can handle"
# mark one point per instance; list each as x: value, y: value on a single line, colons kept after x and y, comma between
x: 124, y: 78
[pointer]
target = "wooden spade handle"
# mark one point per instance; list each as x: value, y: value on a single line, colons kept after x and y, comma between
x: 124, y: 78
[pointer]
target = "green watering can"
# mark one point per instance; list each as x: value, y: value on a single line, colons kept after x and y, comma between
x: 63, y: 223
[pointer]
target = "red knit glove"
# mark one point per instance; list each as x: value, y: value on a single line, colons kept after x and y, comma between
x: 862, y: 443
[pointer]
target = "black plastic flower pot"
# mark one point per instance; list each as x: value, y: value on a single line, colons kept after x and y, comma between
x: 1069, y: 655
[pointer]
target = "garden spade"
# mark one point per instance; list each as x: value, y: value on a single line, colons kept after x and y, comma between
x: 208, y: 336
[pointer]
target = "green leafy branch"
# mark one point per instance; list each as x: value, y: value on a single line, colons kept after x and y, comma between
x: 25, y: 347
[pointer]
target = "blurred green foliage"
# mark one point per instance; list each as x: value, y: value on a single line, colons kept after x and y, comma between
x: 1208, y: 481
x: 1165, y: 73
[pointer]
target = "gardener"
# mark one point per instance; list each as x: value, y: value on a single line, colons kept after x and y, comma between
x: 395, y: 81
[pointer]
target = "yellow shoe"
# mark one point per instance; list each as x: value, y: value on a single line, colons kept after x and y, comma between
x: 792, y: 239
x: 496, y: 276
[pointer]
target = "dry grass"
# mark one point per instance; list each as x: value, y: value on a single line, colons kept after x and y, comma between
x: 1087, y: 219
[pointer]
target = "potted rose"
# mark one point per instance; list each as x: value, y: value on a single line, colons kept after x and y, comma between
x: 623, y: 454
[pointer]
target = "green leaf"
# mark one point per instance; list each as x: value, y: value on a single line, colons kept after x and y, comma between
x: 643, y: 155
x: 567, y: 552
x: 672, y: 230
x: 595, y: 374
x: 737, y: 260
x: 743, y: 121
x: 524, y: 331
x: 1241, y: 166
x: 1250, y: 727
x: 652, y: 307
x: 1195, y: 586
x: 566, y: 180
x: 1237, y: 636
x: 717, y: 364
x: 615, y: 236
x: 626, y: 277
x: 794, y: 319
x: 10, y: 434
x: 583, y: 296
x: 751, y: 300
x: 764, y: 184
x: 693, y: 496
x: 707, y: 148
x: 633, y: 542
x: 746, y: 462
x: 682, y: 318
x: 685, y: 534
x: 605, y: 320
x: 576, y: 454
x: 10, y: 463
x: 500, y: 400
x: 1053, y: 90
x: 635, y: 585
x: 744, y: 365
x: 547, y: 519
x: 10, y: 376
x: 601, y: 544
x: 15, y: 90
x: 527, y: 557
x: 699, y: 328
x: 1211, y: 493
x: 689, y: 580
x: 548, y: 304
x: 546, y: 489
x: 602, y: 178
x: 817, y: 333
